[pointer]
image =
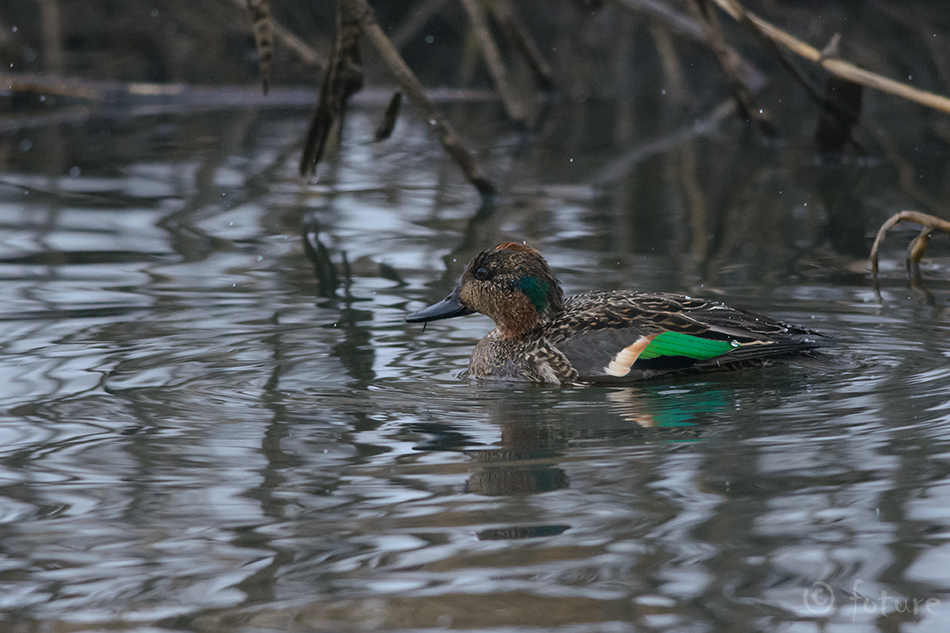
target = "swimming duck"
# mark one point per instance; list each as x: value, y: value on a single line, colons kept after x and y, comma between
x: 607, y: 336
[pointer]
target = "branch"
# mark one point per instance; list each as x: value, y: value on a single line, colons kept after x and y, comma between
x: 835, y: 66
x: 919, y: 244
x: 413, y: 89
x: 492, y: 56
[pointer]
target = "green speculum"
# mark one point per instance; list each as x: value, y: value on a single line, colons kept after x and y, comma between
x: 677, y: 344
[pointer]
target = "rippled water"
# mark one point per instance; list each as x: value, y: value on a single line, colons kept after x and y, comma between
x: 202, y: 431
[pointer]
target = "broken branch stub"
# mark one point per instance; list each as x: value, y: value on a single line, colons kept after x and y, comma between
x: 388, y: 123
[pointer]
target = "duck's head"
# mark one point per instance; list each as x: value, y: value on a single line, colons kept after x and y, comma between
x: 511, y: 284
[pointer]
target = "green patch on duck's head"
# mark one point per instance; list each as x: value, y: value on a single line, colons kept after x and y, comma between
x: 536, y: 290
x: 513, y: 285
x: 525, y: 270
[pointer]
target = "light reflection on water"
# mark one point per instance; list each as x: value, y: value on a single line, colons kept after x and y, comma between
x: 197, y: 436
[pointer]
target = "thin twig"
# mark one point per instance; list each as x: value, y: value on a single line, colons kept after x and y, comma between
x: 669, y: 60
x: 661, y: 12
x: 833, y: 65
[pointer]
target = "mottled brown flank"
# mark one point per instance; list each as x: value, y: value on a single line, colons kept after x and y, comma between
x: 532, y: 359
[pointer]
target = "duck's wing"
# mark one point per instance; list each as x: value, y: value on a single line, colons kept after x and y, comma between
x: 622, y: 336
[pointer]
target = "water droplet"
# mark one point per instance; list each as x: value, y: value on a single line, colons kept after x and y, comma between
x: 429, y: 39
x: 74, y: 171
x: 734, y: 343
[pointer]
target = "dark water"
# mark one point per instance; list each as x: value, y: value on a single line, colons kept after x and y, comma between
x: 202, y: 431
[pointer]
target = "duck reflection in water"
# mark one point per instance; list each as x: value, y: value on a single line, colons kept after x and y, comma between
x: 536, y: 436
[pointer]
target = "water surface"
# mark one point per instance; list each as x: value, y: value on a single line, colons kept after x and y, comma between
x: 208, y: 427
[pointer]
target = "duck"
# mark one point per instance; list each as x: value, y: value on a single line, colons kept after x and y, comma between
x: 613, y: 336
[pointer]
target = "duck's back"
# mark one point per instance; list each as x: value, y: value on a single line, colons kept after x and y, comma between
x: 620, y: 336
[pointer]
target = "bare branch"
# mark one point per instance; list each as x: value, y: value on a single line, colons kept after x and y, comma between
x: 831, y: 64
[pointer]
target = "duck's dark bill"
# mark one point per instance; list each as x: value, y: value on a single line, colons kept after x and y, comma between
x: 445, y: 309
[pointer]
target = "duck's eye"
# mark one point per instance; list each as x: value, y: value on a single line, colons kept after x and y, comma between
x: 481, y: 274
